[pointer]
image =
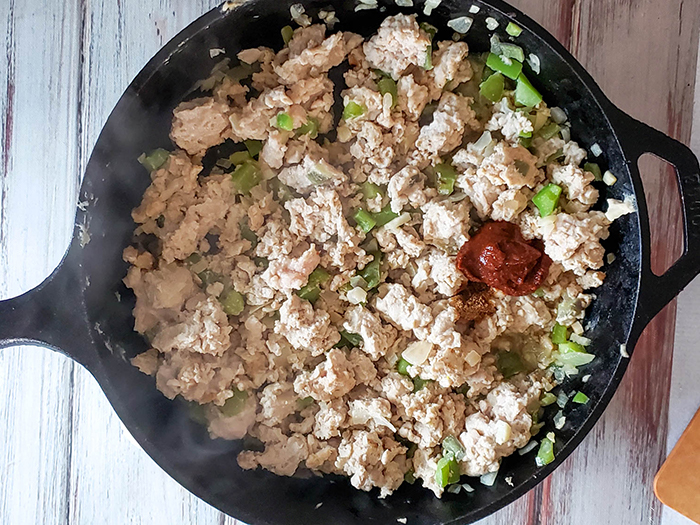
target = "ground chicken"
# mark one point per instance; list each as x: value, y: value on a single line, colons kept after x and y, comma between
x: 308, y: 297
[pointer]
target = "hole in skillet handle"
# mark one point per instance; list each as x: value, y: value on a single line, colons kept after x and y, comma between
x: 663, y: 198
x: 656, y: 291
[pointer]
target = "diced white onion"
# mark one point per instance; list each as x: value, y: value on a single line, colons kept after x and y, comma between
x: 417, y: 352
x: 454, y: 489
x: 558, y: 115
x: 488, y: 479
x: 534, y: 62
x: 484, y: 140
x: 399, y: 221
x: 199, y: 266
x: 357, y: 281
x: 473, y: 358
x: 562, y: 399
x: 532, y: 445
x: 579, y: 339
x: 362, y: 7
x: 357, y: 296
x: 467, y: 487
x: 491, y: 23
x: 609, y: 178
x: 344, y: 133
x: 216, y: 51
x: 550, y: 436
x: 458, y: 196
x: 596, y: 150
x: 623, y: 351
x: 503, y: 432
x: 610, y: 258
x: 577, y: 327
x: 461, y: 24
x: 565, y: 133
x: 559, y: 420
x: 429, y: 6
x: 297, y: 12
x: 617, y: 209
x: 495, y: 44
x: 546, y: 224
x: 585, y: 378
x: 359, y: 415
x: 474, y: 9
x: 402, y: 520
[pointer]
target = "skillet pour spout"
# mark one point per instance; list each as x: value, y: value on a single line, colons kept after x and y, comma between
x: 84, y: 310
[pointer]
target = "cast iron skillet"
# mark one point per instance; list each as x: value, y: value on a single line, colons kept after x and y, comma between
x: 76, y: 310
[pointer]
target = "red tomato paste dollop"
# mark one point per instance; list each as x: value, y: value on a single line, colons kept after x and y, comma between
x: 499, y: 256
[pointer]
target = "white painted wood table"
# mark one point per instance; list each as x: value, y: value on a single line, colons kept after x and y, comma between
x: 65, y: 457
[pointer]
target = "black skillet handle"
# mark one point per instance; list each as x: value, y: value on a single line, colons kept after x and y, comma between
x: 638, y: 139
x: 51, y: 315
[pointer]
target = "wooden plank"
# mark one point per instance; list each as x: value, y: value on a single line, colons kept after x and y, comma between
x: 685, y: 397
x: 36, y: 214
x: 112, y: 480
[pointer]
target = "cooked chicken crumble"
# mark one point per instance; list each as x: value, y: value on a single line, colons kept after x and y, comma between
x: 349, y: 342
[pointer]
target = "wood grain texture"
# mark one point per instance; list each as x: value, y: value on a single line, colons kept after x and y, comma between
x: 65, y: 458
x: 37, y: 203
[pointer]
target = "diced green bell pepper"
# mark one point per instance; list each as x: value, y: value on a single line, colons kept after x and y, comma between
x: 353, y: 110
x: 447, y: 471
x: 452, y: 446
x: 254, y: 147
x: 246, y: 176
x: 547, y: 199
x: 548, y: 399
x: 446, y: 177
x: 388, y: 85
x: 545, y: 455
x: 155, y: 159
x: 248, y: 234
x: 509, y: 364
x: 239, y: 157
x: 371, y: 191
x: 232, y: 302
x: 371, y: 273
x: 419, y: 383
x: 549, y: 130
x: 285, y: 121
x: 312, y: 290
x: 287, y: 34
x: 580, y: 398
x: 364, y: 220
x: 560, y: 334
x: 570, y: 346
x: 525, y: 92
x: 511, y: 70
x: 513, y: 30
x: 593, y: 168
x: 235, y: 404
x: 492, y: 87
x: 310, y: 128
x: 402, y: 366
x: 349, y: 340
x: 384, y: 216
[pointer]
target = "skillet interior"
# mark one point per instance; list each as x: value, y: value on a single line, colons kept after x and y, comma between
x: 115, y: 182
